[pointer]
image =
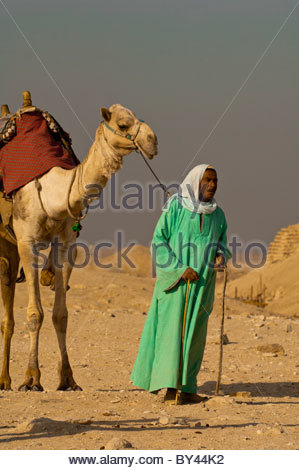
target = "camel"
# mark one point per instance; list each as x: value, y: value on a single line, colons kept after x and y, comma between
x: 43, y: 211
x: 9, y: 264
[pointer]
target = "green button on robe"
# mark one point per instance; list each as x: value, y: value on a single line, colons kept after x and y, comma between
x: 179, y: 243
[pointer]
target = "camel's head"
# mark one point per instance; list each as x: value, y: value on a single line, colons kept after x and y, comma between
x: 124, y: 131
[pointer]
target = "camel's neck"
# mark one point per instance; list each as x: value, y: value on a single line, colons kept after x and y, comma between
x: 95, y: 170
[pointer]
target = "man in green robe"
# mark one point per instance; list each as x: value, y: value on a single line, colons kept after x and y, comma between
x: 189, y: 240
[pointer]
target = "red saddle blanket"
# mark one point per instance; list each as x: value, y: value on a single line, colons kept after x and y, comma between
x: 33, y: 151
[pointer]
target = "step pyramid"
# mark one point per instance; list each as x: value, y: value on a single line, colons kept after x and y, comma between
x: 284, y: 244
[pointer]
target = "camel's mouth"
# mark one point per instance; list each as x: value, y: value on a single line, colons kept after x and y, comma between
x: 146, y: 153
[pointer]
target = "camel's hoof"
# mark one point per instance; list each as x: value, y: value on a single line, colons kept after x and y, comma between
x: 47, y: 278
x: 5, y: 385
x: 29, y: 388
x: 67, y: 388
x: 23, y: 388
x: 37, y: 388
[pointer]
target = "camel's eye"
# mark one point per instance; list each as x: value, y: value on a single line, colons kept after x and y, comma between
x: 123, y: 127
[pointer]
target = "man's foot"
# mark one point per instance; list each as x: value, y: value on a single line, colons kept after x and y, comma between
x: 191, y: 398
x: 170, y: 394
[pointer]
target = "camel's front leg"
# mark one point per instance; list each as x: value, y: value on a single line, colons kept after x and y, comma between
x: 60, y: 318
x: 35, y: 316
x: 7, y: 324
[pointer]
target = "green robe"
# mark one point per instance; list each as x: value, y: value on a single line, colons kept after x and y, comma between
x: 179, y: 243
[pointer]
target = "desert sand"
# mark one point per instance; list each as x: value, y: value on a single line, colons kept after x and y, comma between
x: 258, y: 408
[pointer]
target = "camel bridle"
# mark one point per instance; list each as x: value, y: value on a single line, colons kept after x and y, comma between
x: 126, y: 136
x: 138, y: 150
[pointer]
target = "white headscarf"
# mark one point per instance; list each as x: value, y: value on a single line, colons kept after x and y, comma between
x: 189, y: 190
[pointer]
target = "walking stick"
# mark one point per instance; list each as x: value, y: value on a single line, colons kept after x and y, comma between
x: 221, y: 333
x: 182, y: 345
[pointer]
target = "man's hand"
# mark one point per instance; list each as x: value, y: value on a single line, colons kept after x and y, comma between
x: 190, y: 275
x: 219, y: 262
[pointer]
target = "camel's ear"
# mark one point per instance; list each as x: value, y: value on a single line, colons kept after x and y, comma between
x: 106, y: 114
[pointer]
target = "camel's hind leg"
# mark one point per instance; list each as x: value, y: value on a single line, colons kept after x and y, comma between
x: 60, y: 319
x: 8, y: 281
x: 35, y: 316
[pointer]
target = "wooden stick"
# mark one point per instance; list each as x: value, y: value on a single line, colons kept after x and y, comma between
x: 182, y: 345
x: 221, y: 334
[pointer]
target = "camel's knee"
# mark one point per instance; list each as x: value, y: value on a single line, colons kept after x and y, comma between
x: 7, y: 327
x: 34, y: 320
x: 5, y: 271
x: 47, y: 277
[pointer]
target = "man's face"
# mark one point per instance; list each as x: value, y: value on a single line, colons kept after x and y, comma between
x: 208, y: 185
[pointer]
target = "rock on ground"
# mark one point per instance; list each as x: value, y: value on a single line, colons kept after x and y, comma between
x: 117, y: 443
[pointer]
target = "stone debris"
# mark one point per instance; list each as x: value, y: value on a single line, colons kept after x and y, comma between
x: 197, y: 424
x: 270, y: 348
x: 289, y: 328
x: 83, y: 422
x: 182, y: 422
x: 215, y: 340
x: 116, y: 400
x: 241, y: 394
x: 110, y: 413
x: 221, y: 400
x: 225, y: 339
x: 117, y: 443
x: 164, y: 420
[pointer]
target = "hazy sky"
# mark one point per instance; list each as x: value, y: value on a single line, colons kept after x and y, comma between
x: 178, y: 65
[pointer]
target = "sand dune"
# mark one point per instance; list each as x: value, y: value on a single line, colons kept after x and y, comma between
x: 139, y: 264
x: 281, y: 279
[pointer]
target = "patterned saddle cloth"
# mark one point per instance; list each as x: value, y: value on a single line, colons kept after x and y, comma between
x: 31, y: 143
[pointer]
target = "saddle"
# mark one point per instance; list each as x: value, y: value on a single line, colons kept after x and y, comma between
x: 31, y: 143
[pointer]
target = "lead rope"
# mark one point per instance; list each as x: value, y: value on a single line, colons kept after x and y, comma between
x: 152, y: 171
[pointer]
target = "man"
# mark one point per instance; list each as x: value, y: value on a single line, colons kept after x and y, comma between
x: 189, y: 240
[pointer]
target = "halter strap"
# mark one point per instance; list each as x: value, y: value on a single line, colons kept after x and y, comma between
x: 126, y: 136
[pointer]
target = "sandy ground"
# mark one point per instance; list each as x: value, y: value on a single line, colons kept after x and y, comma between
x: 107, y: 313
